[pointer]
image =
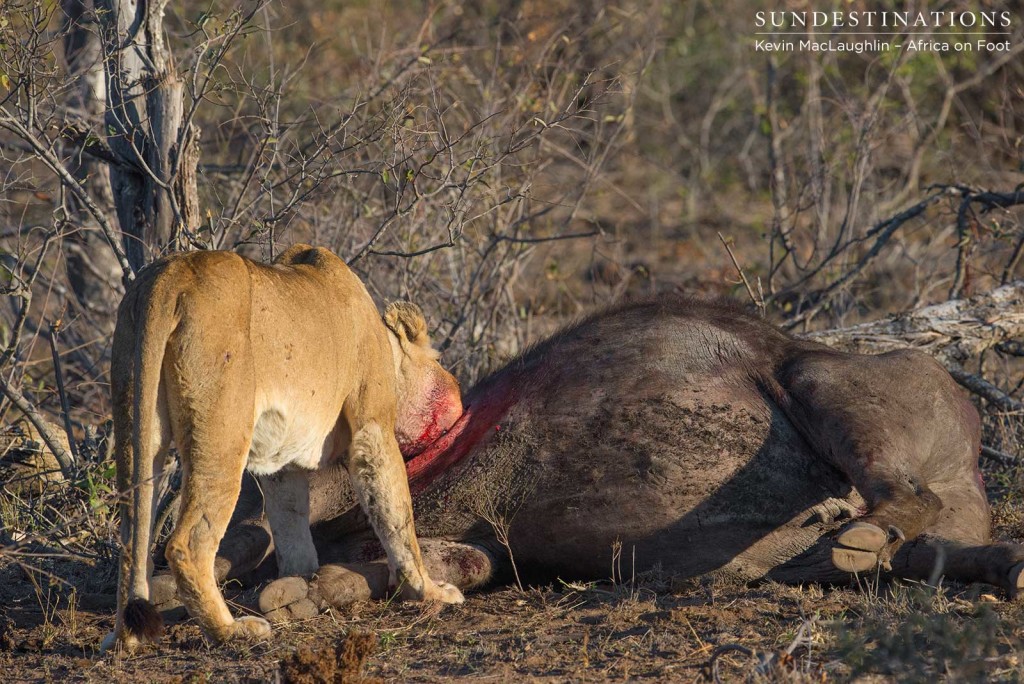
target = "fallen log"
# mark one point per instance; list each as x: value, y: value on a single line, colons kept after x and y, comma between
x: 953, y: 332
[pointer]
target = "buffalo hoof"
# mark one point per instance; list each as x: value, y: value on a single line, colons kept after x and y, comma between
x: 860, y: 547
x: 289, y: 599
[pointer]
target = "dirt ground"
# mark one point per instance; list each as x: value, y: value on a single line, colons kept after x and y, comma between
x: 696, y: 153
x: 652, y: 629
x: 56, y: 607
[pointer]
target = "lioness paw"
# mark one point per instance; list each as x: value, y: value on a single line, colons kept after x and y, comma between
x: 250, y: 627
x: 443, y: 592
x: 127, y: 642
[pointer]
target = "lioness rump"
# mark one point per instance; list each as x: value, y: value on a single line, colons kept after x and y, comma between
x: 280, y: 370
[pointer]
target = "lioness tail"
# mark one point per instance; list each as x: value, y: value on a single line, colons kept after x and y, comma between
x: 142, y: 620
x: 139, y: 446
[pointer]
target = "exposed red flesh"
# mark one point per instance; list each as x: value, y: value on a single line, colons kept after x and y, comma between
x: 445, y: 404
x: 478, y: 420
x: 430, y: 434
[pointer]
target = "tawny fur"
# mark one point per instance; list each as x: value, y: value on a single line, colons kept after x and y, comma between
x: 279, y: 369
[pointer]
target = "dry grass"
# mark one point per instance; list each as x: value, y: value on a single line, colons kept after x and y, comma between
x: 598, y: 634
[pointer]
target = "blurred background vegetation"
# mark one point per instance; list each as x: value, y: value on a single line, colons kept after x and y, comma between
x: 510, y: 165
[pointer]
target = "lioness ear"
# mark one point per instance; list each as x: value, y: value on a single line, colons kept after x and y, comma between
x: 406, y: 320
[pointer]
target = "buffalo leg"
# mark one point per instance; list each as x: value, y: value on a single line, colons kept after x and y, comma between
x: 893, y: 424
x: 244, y: 547
x: 924, y: 558
x: 959, y: 545
x: 999, y: 564
x: 465, y: 566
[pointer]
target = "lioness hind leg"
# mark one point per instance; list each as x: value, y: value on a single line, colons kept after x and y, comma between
x: 379, y: 481
x: 210, y: 489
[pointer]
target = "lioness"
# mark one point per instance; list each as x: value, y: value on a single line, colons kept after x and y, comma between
x: 277, y: 369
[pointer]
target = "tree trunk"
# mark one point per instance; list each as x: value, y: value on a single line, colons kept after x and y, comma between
x: 155, y: 189
x: 93, y: 270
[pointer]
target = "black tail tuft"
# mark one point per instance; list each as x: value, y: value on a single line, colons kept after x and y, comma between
x: 142, y: 620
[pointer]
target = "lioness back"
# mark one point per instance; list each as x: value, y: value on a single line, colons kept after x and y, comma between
x: 309, y: 330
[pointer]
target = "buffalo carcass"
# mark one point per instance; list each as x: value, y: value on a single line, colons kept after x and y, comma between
x: 682, y: 434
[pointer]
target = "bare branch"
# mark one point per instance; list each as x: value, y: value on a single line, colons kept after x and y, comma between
x: 49, y: 158
x: 67, y: 463
x: 985, y: 389
x: 1011, y: 347
x: 882, y: 232
x: 758, y: 302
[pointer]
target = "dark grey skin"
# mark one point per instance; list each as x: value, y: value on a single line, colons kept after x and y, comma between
x: 689, y: 435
